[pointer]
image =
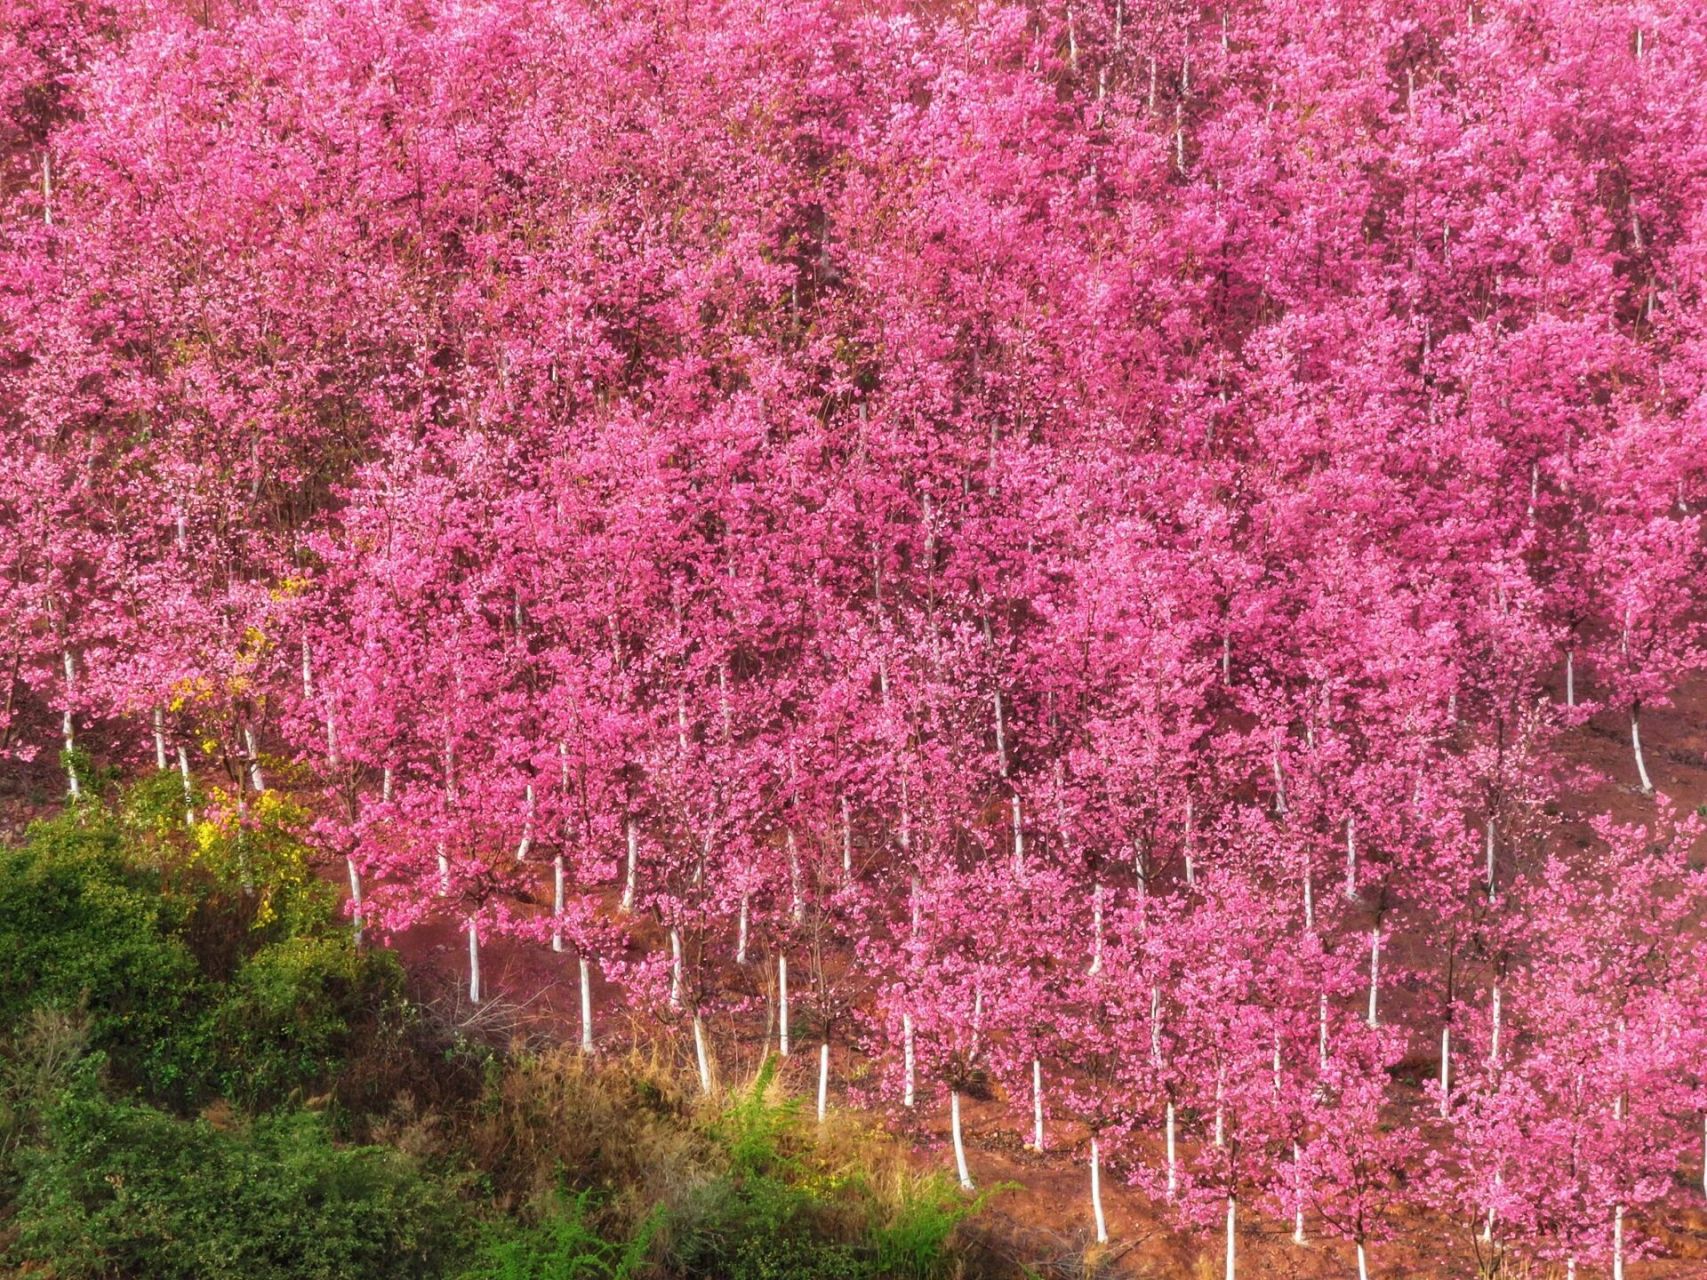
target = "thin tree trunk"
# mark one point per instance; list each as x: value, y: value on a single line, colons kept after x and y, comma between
x: 1494, y: 1043
x: 473, y: 961
x: 74, y: 788
x: 256, y: 779
x: 1096, y: 1192
x: 527, y: 827
x: 1362, y: 1262
x: 1297, y: 1195
x: 1351, y: 857
x: 632, y: 871
x: 701, y: 1058
x: 1096, y: 929
x: 586, y: 1006
x: 797, y: 903
x: 675, y: 968
x: 847, y: 840
x: 1037, y: 1103
x: 741, y: 933
x: 1173, y: 1151
x: 355, y: 897
x: 1445, y: 1070
x: 557, y: 903
x: 1374, y: 975
x: 1019, y: 840
x: 1232, y: 1255
x: 1636, y: 742
x: 159, y: 739
x: 1322, y: 1031
x: 184, y: 772
x: 959, y: 1141
x: 1618, y: 1242
x: 823, y: 1079
x: 907, y: 1095
x: 1570, y: 678
x: 782, y: 1001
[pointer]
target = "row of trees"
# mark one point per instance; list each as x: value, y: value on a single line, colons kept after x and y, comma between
x: 1075, y: 527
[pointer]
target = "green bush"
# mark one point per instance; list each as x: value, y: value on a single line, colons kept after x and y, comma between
x: 120, y: 1188
x: 82, y: 927
x: 560, y: 1245
x: 293, y: 1013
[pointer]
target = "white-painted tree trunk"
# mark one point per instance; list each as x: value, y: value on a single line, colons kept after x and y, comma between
x: 444, y: 871
x: 1297, y: 1195
x: 633, y: 869
x: 907, y: 1078
x: 823, y: 1079
x: 1492, y: 881
x: 1636, y: 742
x: 1494, y: 1041
x: 1618, y: 1242
x: 1190, y: 844
x: 741, y: 932
x: 675, y: 968
x: 1096, y: 929
x: 959, y: 1140
x: 1156, y: 1026
x: 1232, y: 1251
x: 159, y: 739
x: 1019, y: 839
x: 473, y: 961
x: 557, y: 903
x: 1220, y: 1114
x: 782, y: 1002
x: 256, y: 779
x: 1445, y: 1071
x: 1279, y: 787
x: 1309, y: 899
x: 385, y: 785
x: 307, y: 673
x: 184, y: 772
x: 1037, y: 1135
x: 1096, y: 1193
x: 847, y: 840
x: 1351, y: 857
x: 1374, y: 975
x: 586, y: 1006
x: 797, y: 898
x: 1362, y: 1262
x: 355, y: 897
x: 526, y: 843
x: 1570, y: 678
x: 1001, y: 736
x: 1173, y: 1151
x: 1322, y: 1031
x: 701, y: 1058
x: 73, y: 786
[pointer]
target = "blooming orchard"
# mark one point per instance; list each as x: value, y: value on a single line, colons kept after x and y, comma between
x: 1063, y: 534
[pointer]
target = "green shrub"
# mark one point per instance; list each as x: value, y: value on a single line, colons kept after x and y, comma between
x: 82, y: 927
x: 117, y: 1187
x: 560, y: 1245
x: 912, y: 1241
x: 293, y: 1012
